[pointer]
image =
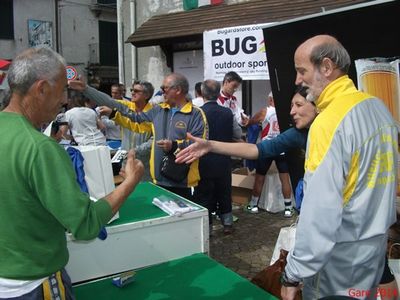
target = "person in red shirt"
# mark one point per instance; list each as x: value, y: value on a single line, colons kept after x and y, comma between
x: 230, y: 84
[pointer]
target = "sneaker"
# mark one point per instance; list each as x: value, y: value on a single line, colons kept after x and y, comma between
x: 252, y: 209
x: 288, y: 212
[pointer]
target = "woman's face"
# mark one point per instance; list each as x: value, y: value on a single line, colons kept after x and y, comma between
x: 303, y: 112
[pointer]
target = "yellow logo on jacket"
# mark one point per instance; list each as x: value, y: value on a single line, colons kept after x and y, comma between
x: 381, y: 171
x: 180, y: 124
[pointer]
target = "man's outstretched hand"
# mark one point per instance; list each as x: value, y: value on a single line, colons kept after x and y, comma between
x: 77, y: 84
x: 196, y: 150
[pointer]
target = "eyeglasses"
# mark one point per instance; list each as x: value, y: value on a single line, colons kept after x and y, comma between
x: 136, y: 91
x: 165, y: 89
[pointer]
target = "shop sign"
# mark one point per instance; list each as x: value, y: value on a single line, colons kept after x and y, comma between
x: 240, y: 49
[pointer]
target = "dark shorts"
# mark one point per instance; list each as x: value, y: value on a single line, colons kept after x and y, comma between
x: 262, y: 166
x: 56, y: 286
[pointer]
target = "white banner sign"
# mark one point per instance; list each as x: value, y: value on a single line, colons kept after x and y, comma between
x: 240, y: 49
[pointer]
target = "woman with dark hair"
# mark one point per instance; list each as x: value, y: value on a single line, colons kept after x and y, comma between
x: 83, y: 122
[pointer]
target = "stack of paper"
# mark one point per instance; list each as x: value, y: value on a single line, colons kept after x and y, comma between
x: 173, y: 206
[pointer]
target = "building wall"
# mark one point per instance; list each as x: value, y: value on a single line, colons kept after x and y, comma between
x: 79, y: 32
x: 151, y: 61
x: 43, y: 10
x: 79, y: 35
x: 152, y: 66
x: 78, y: 29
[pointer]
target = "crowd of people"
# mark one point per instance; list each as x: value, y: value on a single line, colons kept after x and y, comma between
x: 349, y: 137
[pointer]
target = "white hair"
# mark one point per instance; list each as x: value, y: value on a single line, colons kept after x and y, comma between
x: 31, y: 65
x: 270, y: 95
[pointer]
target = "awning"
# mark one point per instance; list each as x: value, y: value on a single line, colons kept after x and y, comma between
x: 188, y: 26
x: 4, y: 64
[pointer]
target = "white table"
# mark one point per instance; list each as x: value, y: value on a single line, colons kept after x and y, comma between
x: 152, y: 237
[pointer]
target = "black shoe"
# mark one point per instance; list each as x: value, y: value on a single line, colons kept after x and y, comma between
x: 228, y: 229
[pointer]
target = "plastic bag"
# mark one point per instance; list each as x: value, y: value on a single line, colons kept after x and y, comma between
x: 98, y: 170
x: 271, y: 198
x: 285, y: 241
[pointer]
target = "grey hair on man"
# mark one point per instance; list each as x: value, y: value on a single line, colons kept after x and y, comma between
x: 210, y: 89
x: 180, y: 81
x: 32, y: 65
x: 148, y: 88
x: 335, y: 52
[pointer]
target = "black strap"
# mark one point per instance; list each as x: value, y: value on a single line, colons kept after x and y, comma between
x: 165, y: 133
x: 165, y: 123
x: 113, y: 113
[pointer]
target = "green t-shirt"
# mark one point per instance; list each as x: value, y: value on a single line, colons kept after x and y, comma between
x: 40, y: 199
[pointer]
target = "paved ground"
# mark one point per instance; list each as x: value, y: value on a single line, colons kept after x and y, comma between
x: 249, y: 249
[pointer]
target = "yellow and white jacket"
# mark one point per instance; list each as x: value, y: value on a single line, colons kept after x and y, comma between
x: 140, y: 141
x: 349, y: 194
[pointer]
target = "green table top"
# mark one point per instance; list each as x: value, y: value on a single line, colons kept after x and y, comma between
x: 138, y: 206
x: 192, y: 277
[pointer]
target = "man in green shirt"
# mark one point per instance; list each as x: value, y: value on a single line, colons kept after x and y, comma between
x: 40, y: 198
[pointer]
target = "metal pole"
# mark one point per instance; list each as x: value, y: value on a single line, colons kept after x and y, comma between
x: 120, y: 28
x: 133, y: 48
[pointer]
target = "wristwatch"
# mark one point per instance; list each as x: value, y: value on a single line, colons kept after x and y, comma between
x: 113, y: 113
x: 285, y: 281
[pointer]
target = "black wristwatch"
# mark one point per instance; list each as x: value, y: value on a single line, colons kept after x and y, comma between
x: 113, y: 113
x: 285, y: 281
